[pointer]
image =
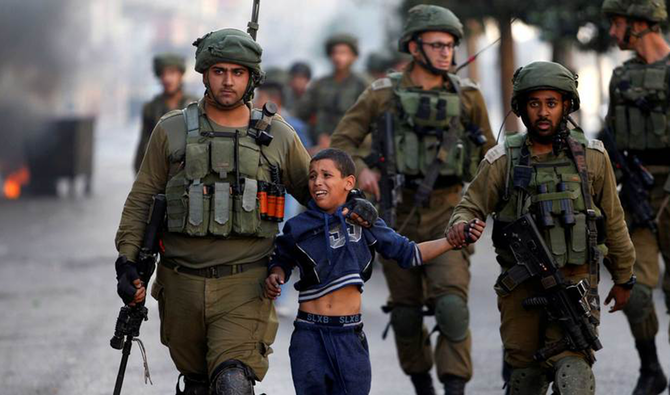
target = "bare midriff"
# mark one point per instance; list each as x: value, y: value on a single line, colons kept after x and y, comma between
x: 344, y: 301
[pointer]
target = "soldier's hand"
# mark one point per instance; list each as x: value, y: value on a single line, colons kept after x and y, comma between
x: 129, y: 287
x: 360, y: 212
x: 474, y: 230
x: 620, y: 295
x: 273, y: 283
x: 456, y: 235
x: 368, y: 181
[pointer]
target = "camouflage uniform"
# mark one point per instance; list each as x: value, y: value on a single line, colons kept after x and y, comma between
x: 637, y: 118
x: 443, y: 285
x: 153, y: 110
x: 494, y: 191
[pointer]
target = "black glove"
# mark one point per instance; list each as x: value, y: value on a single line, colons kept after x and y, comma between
x: 126, y: 274
x: 363, y: 208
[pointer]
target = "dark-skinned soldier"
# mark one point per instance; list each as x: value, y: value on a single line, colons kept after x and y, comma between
x: 329, y: 97
x: 566, y: 182
x: 435, y: 116
x: 637, y: 119
x: 210, y: 160
x: 169, y: 69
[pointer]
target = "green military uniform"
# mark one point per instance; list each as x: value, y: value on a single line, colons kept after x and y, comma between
x: 494, y: 191
x: 637, y: 118
x: 214, y: 253
x: 153, y: 110
x: 428, y: 126
x: 327, y: 99
x: 447, y: 276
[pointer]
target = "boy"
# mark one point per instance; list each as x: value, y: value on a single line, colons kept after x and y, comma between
x: 329, y: 352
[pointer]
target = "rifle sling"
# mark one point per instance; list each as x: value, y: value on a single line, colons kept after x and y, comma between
x: 579, y: 156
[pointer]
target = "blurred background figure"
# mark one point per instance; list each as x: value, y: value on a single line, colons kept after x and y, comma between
x: 299, y: 76
x: 169, y: 68
x: 329, y: 97
x: 376, y: 65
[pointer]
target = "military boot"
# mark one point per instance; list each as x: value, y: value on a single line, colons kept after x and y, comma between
x: 423, y: 383
x: 453, y: 385
x: 652, y: 380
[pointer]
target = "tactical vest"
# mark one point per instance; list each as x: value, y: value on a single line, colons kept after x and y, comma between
x: 552, y: 191
x: 215, y: 190
x: 427, y: 126
x: 640, y: 104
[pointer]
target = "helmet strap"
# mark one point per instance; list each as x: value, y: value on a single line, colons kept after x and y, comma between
x: 427, y: 63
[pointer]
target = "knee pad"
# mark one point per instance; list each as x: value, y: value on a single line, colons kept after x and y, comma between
x: 527, y: 381
x: 407, y: 321
x: 573, y: 376
x: 233, y: 377
x: 639, y: 305
x: 453, y: 317
x: 193, y: 385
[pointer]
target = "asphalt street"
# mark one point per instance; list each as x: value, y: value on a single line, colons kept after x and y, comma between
x: 58, y: 304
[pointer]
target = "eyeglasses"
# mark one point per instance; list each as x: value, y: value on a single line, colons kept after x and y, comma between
x: 439, y: 47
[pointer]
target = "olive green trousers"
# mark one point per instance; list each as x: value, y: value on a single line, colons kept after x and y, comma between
x: 205, y: 322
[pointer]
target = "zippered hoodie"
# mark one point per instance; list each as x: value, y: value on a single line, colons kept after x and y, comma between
x: 330, y: 260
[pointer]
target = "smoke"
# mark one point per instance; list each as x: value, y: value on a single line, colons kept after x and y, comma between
x: 39, y: 42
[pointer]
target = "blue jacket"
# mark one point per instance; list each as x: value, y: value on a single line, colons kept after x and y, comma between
x: 331, y: 260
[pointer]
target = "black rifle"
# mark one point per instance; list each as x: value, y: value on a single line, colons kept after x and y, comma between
x: 383, y: 157
x: 130, y: 317
x: 565, y: 303
x: 252, y: 26
x: 635, y: 183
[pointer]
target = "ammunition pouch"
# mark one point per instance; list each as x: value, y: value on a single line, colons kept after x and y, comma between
x: 216, y: 191
x: 640, y: 105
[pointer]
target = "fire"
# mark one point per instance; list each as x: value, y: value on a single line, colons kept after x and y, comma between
x: 14, y: 182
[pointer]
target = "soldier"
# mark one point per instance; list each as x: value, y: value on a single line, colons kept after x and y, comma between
x: 434, y: 114
x: 637, y: 118
x: 299, y: 76
x: 327, y: 98
x: 169, y: 69
x: 584, y: 219
x: 210, y: 160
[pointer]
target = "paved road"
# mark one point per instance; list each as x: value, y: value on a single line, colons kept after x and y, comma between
x: 58, y: 304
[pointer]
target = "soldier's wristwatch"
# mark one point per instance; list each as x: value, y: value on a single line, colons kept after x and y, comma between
x: 630, y: 283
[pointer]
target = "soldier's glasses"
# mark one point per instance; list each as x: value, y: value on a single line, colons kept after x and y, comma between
x: 439, y: 47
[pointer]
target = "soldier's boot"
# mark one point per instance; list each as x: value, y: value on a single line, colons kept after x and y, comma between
x: 652, y: 380
x: 193, y: 385
x: 453, y: 385
x: 573, y: 376
x: 233, y: 378
x: 528, y: 381
x: 423, y: 383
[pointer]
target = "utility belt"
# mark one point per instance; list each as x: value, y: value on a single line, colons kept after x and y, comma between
x: 442, y: 182
x: 499, y: 240
x: 217, y: 271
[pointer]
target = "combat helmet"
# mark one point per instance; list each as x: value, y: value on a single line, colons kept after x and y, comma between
x: 230, y: 46
x: 544, y: 76
x: 164, y: 60
x: 648, y: 10
x: 342, y: 38
x: 424, y: 18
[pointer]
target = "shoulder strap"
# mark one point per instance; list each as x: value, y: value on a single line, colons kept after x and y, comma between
x: 192, y: 119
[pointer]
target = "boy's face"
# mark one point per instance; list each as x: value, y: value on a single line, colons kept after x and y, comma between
x: 327, y: 186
